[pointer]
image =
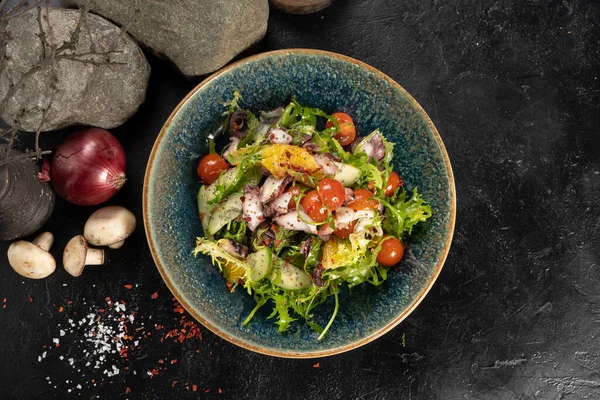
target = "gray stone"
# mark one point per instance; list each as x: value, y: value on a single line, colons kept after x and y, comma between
x: 198, y: 36
x: 80, y: 69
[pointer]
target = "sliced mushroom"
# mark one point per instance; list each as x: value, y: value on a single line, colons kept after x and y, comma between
x: 77, y: 255
x: 32, y: 260
x: 109, y: 226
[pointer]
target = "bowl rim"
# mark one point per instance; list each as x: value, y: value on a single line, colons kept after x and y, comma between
x: 293, y: 353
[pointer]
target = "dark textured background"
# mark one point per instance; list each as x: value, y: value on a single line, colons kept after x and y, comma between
x: 513, y: 88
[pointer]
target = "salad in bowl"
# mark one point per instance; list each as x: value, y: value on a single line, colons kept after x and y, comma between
x: 300, y: 203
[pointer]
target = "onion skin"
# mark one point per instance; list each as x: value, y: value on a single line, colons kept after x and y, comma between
x: 88, y: 168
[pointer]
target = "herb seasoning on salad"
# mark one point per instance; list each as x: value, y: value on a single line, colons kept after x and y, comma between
x: 295, y: 208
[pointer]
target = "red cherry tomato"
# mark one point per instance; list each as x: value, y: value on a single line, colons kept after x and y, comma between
x: 391, y: 252
x: 345, y: 232
x: 363, y: 200
x: 313, y: 207
x: 393, y: 183
x: 347, y: 131
x: 210, y: 168
x: 332, y: 193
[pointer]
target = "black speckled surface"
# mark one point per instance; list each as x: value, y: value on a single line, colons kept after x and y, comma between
x: 513, y: 87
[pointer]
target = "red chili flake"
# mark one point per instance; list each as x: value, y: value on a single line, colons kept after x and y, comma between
x: 174, y: 383
x: 206, y: 390
x: 181, y: 337
x: 179, y: 309
x: 229, y: 285
x: 220, y: 390
x: 70, y: 302
x: 317, y: 365
x: 159, y: 327
x: 128, y: 286
x: 4, y: 303
x: 107, y: 299
x: 194, y: 387
x: 154, y: 295
x: 30, y: 299
x: 127, y: 390
x: 160, y: 361
x: 101, y: 310
x: 173, y: 361
x: 61, y: 309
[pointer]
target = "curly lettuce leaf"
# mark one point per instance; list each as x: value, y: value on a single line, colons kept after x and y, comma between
x: 219, y: 256
x: 404, y: 212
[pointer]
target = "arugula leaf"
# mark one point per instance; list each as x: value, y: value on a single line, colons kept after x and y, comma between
x: 314, y: 254
x: 235, y: 230
x: 252, y: 134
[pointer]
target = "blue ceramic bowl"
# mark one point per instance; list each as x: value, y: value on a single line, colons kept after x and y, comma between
x: 331, y: 82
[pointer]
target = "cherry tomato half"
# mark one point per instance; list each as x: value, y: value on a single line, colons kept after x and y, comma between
x: 210, y: 168
x: 391, y: 252
x: 345, y: 232
x: 313, y: 207
x: 332, y: 193
x: 363, y: 200
x: 347, y: 131
x: 393, y: 183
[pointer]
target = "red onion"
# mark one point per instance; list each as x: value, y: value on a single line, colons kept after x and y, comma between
x: 88, y: 168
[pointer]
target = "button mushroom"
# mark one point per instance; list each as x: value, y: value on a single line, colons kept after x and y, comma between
x: 32, y: 260
x: 109, y: 226
x: 77, y: 255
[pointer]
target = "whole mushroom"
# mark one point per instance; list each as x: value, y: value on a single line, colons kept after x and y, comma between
x: 109, y: 226
x: 77, y: 255
x: 32, y: 259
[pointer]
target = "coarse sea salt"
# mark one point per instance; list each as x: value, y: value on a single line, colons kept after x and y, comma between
x: 96, y: 341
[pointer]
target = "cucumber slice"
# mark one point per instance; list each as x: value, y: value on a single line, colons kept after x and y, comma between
x: 288, y: 276
x: 223, y: 213
x: 259, y: 264
x: 205, y: 194
x: 346, y: 174
x: 226, y: 179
